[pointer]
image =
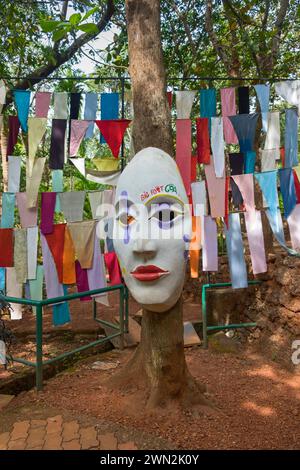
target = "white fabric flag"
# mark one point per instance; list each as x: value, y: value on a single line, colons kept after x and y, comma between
x: 273, y: 134
x: 217, y: 145
x: 199, y: 198
x: 14, y: 173
x: 294, y: 227
x: 14, y: 289
x: 268, y: 159
x: 60, y: 105
x: 184, y: 103
x: 32, y: 246
x: 290, y: 91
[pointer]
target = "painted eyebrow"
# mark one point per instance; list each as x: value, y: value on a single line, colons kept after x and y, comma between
x: 164, y: 199
x: 123, y: 204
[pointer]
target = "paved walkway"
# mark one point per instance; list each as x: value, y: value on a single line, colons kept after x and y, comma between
x: 57, y: 433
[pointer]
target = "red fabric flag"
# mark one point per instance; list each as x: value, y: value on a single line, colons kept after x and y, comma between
x: 6, y: 248
x: 194, y: 169
x: 113, y: 131
x: 183, y: 151
x: 13, y: 126
x: 112, y: 265
x: 203, y: 143
x: 297, y: 186
x: 56, y: 241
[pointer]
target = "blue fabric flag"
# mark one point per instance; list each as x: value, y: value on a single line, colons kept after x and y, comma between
x: 245, y: 127
x: 268, y: 185
x: 90, y: 112
x: 109, y: 108
x: 8, y: 210
x: 263, y: 95
x: 249, y: 162
x: 22, y: 101
x: 208, y: 104
x: 288, y: 190
x: 2, y: 279
x: 276, y: 225
x: 235, y: 250
x: 291, y: 138
x: 61, y: 312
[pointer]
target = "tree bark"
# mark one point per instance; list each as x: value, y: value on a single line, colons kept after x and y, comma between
x: 152, y: 117
x: 158, y: 365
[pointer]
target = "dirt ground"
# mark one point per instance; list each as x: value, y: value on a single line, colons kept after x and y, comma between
x: 257, y: 403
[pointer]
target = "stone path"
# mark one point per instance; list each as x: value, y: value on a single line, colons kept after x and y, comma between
x: 57, y: 433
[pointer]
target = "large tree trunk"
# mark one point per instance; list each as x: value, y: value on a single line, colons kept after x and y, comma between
x: 158, y: 365
x: 152, y: 117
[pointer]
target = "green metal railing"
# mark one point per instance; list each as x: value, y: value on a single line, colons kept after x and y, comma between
x: 39, y: 304
x: 233, y: 326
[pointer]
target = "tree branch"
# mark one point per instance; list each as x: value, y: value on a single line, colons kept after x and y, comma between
x: 284, y: 4
x: 61, y: 58
x: 219, y: 48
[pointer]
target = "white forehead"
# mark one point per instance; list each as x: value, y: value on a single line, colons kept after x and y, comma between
x: 150, y: 171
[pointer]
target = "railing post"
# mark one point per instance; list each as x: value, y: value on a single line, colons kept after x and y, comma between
x: 39, y: 347
x: 121, y: 319
x: 204, y: 317
x: 126, y: 296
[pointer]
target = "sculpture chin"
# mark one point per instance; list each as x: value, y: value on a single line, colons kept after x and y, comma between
x: 153, y: 300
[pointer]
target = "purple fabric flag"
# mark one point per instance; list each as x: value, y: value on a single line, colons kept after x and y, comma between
x: 57, y: 146
x: 228, y: 109
x: 209, y: 244
x: 78, y: 130
x: 13, y: 131
x: 42, y: 103
x: 47, y: 212
x: 28, y: 217
x: 82, y: 280
x: 96, y: 275
x: 216, y: 192
x: 256, y: 241
x: 246, y: 186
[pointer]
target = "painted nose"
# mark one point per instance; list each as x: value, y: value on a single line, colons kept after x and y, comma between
x: 145, y: 247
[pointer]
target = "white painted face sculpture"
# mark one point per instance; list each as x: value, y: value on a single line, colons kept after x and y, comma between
x: 152, y: 229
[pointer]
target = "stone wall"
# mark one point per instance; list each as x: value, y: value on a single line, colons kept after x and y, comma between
x: 274, y: 305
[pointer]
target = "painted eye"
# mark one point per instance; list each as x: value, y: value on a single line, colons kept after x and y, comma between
x: 126, y: 219
x: 165, y: 216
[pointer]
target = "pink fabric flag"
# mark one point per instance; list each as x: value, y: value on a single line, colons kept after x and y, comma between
x: 294, y: 227
x: 256, y: 241
x: 228, y: 109
x: 113, y: 132
x: 216, y: 191
x: 184, y: 151
x: 246, y: 186
x: 42, y: 103
x: 78, y: 130
x: 28, y: 217
x: 47, y: 212
x: 209, y: 244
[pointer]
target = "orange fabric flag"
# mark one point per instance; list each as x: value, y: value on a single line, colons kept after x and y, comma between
x: 195, y: 246
x: 69, y: 273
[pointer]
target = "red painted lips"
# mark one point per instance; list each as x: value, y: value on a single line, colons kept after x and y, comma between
x: 148, y: 273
